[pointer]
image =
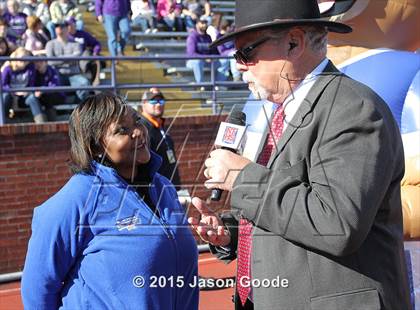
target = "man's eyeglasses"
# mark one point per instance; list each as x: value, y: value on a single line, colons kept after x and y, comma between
x: 242, y: 55
x: 157, y: 101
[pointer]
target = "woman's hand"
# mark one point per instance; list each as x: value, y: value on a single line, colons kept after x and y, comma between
x: 208, y: 225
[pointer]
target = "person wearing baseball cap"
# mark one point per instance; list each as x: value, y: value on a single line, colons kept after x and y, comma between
x: 90, y: 47
x: 69, y: 71
x: 316, y: 221
x: 199, y: 44
x: 153, y: 107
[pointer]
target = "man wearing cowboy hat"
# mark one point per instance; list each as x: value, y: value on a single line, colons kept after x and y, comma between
x: 316, y: 222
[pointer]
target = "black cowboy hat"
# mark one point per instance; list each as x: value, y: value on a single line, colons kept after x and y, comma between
x: 261, y: 14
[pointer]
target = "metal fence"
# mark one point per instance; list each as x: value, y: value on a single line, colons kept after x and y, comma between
x: 114, y: 86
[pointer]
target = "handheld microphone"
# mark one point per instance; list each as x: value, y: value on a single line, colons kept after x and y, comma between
x: 230, y: 137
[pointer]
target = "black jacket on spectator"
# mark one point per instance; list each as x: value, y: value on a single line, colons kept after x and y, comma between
x: 161, y: 145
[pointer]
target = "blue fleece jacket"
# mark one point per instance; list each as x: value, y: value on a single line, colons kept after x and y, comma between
x: 93, y: 240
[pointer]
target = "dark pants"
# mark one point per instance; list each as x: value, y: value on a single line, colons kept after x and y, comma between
x: 249, y: 305
x: 76, y: 80
x: 45, y: 103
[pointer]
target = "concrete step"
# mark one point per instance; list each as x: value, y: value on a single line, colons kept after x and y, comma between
x: 224, y: 10
x: 216, y: 3
x: 161, y: 44
x: 160, y: 34
x: 182, y: 70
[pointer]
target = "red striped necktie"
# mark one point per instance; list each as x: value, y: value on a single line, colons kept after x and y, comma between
x: 245, y: 227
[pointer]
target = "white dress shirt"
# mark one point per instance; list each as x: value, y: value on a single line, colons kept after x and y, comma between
x: 295, y: 99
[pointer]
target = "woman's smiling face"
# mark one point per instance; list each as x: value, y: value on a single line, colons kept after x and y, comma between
x: 125, y: 144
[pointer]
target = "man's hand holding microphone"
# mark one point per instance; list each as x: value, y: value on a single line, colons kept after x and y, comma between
x: 222, y: 168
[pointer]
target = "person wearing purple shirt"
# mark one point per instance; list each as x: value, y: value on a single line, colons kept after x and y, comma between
x: 114, y: 15
x: 15, y: 19
x: 198, y: 44
x: 86, y: 40
x: 90, y: 46
x: 18, y: 74
x: 5, y: 33
x: 46, y: 76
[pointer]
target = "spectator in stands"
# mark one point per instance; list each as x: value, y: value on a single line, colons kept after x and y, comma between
x: 4, y: 48
x: 4, y: 33
x: 35, y: 38
x: 60, y: 10
x: 115, y: 17
x: 29, y: 7
x: 153, y: 107
x: 3, y: 8
x: 214, y: 27
x: 18, y: 74
x: 70, y: 73
x: 198, y: 44
x: 87, y: 40
x: 16, y: 20
x: 143, y: 15
x: 115, y: 222
x: 228, y: 49
x: 90, y: 47
x: 195, y: 9
x: 169, y: 13
x: 43, y: 12
x: 46, y: 76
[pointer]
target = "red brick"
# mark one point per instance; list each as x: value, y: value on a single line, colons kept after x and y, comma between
x: 36, y: 156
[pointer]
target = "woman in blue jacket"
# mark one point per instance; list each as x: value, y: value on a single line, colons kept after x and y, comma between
x: 115, y: 236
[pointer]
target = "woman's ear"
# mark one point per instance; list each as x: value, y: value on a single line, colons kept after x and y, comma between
x: 98, y: 150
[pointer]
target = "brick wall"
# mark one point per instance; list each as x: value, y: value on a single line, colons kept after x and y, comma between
x: 33, y: 167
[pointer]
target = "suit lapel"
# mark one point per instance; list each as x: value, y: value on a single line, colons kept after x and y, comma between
x: 329, y: 73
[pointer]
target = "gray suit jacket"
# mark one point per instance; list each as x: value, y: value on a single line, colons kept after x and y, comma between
x: 326, y: 210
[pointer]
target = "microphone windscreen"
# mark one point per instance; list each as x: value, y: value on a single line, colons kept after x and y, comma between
x: 237, y: 117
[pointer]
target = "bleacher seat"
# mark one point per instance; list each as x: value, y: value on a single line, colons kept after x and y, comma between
x: 161, y: 44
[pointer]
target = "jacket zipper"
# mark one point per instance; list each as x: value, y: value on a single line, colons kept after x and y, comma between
x: 170, y: 236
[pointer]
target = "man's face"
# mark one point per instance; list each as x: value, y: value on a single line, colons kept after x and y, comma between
x: 154, y: 107
x: 61, y: 31
x: 201, y: 27
x: 265, y: 72
x: 41, y: 66
x: 71, y: 28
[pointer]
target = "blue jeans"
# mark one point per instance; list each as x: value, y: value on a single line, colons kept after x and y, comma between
x: 189, y: 23
x: 34, y: 103
x: 6, y: 104
x: 143, y: 22
x: 176, y: 23
x: 226, y: 64
x: 75, y: 81
x: 198, y: 65
x: 30, y: 101
x: 112, y: 25
x: 51, y: 29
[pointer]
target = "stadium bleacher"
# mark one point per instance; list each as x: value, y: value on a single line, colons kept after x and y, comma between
x: 161, y: 44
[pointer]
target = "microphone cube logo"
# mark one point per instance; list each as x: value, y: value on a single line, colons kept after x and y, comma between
x: 229, y: 136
